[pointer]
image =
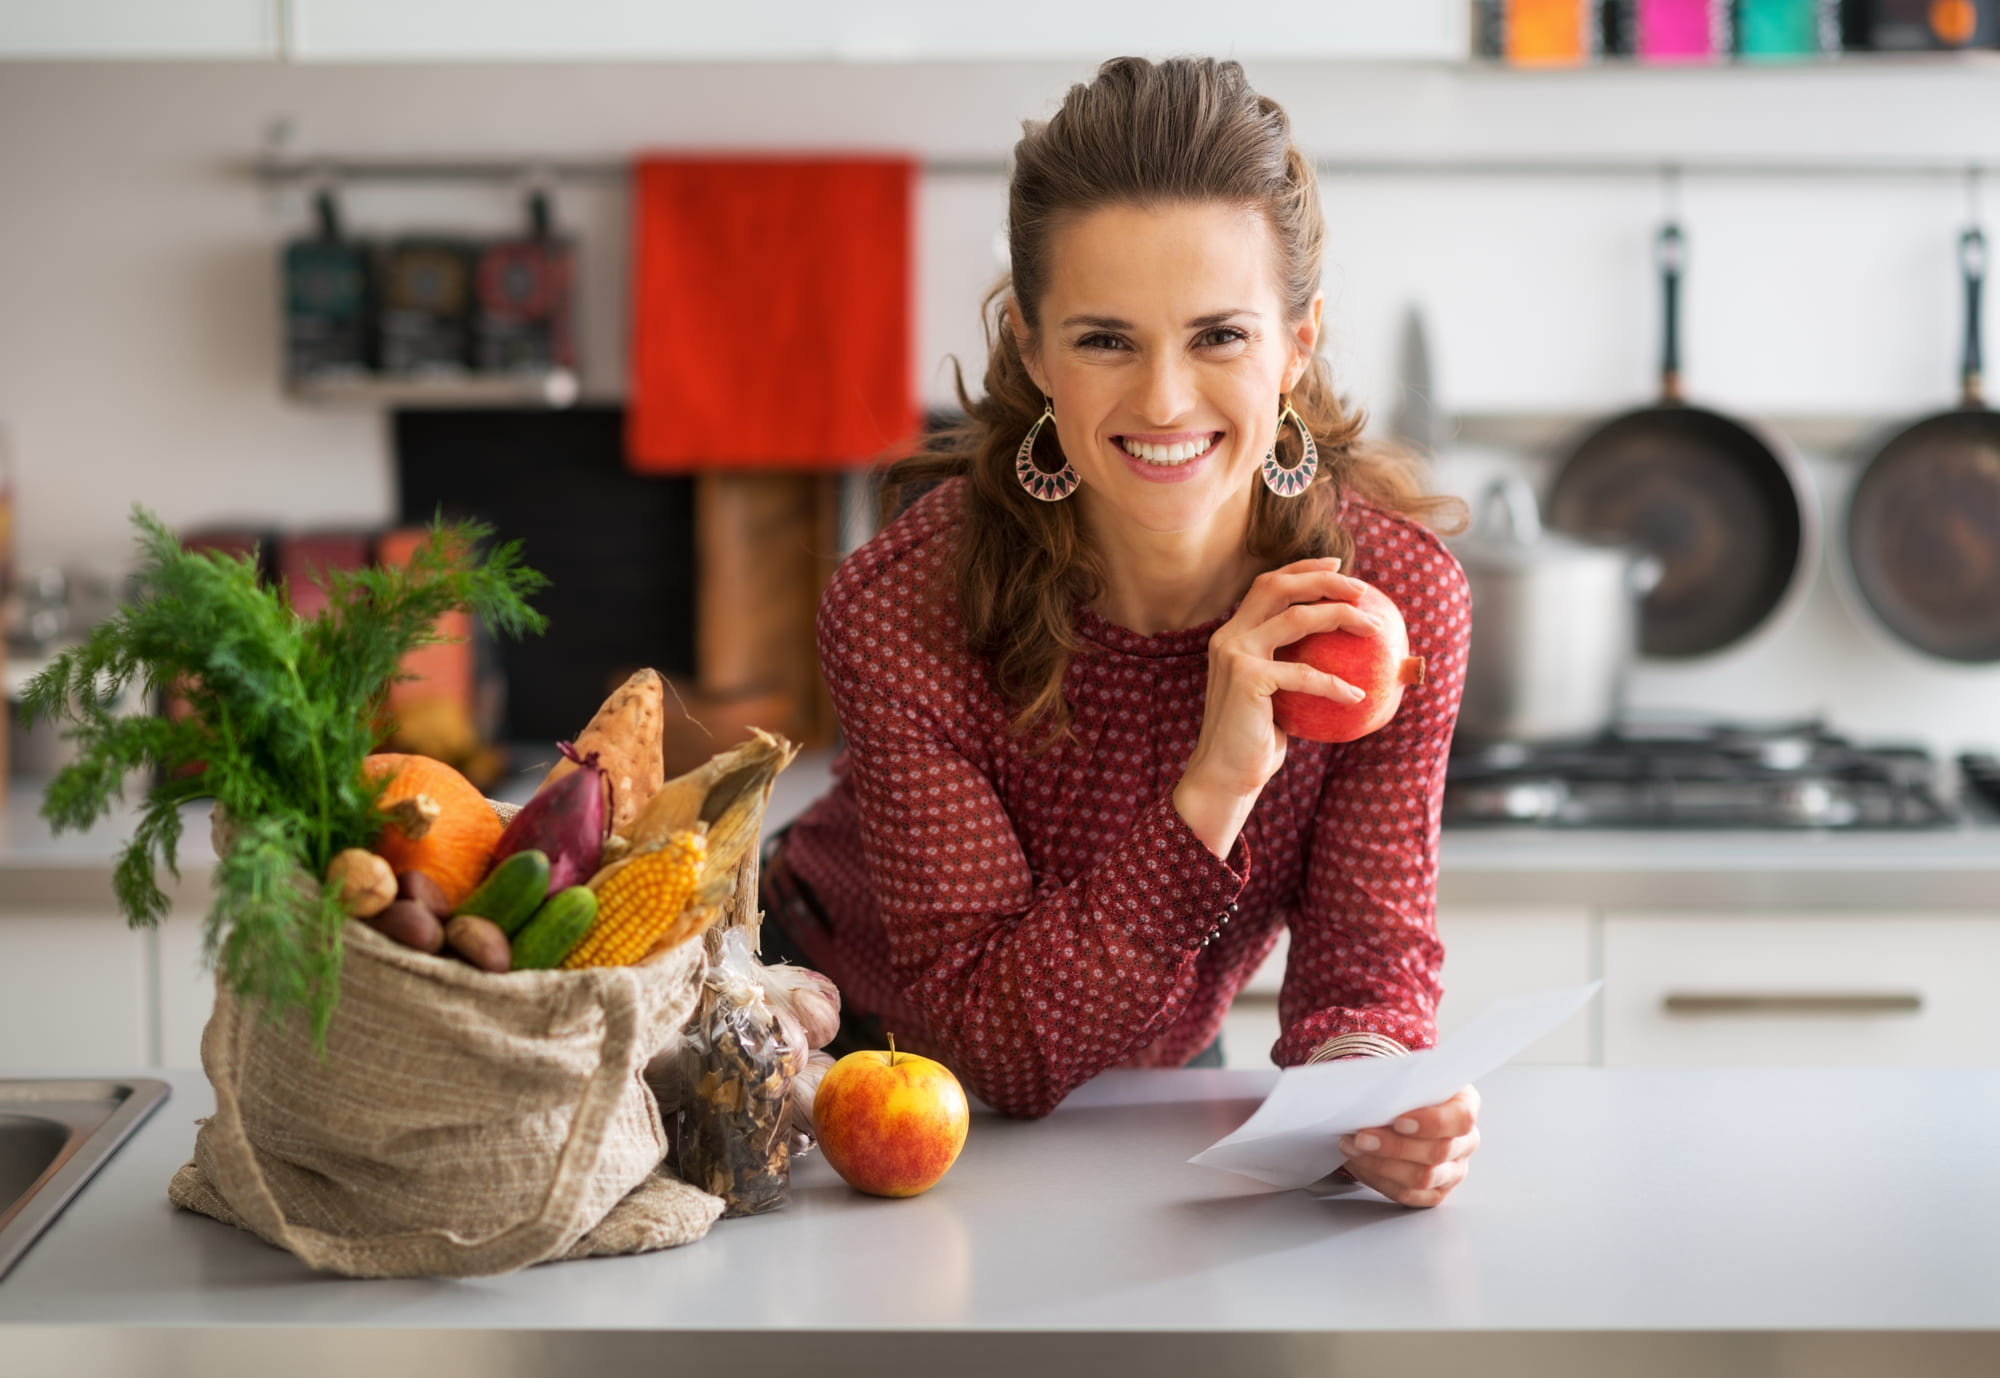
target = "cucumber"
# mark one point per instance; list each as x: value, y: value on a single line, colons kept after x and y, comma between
x: 557, y: 927
x: 511, y: 892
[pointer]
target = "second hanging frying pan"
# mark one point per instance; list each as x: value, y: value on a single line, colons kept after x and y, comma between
x: 1721, y: 504
x: 1923, y: 525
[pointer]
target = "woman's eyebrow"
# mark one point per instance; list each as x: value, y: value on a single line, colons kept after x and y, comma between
x: 1213, y: 318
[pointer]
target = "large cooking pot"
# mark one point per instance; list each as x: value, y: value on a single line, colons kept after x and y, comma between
x: 1554, y: 625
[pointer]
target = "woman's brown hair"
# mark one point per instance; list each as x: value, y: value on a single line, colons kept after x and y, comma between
x: 1187, y: 130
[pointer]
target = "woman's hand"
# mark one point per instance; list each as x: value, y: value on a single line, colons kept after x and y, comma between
x: 1420, y: 1158
x: 1240, y: 747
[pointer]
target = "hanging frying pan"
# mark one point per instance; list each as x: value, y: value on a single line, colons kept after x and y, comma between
x: 1923, y: 525
x: 1721, y: 504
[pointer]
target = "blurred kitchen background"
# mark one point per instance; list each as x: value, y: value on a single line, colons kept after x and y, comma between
x: 301, y: 272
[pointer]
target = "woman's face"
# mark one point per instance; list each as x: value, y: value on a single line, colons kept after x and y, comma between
x: 1165, y: 348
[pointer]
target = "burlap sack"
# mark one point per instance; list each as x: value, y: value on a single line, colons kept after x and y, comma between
x: 459, y: 1124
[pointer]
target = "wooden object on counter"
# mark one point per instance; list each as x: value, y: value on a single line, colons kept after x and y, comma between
x: 766, y: 545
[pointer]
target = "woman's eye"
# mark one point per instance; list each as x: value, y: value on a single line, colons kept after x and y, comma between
x: 1221, y: 336
x: 1100, y: 342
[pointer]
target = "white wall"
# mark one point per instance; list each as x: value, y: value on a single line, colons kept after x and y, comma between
x: 138, y: 306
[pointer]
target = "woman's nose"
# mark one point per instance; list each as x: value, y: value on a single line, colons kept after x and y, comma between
x: 1166, y: 391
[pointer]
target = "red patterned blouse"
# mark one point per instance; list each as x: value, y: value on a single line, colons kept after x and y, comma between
x: 1032, y: 920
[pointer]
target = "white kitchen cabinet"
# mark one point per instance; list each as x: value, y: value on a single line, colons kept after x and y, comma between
x: 110, y: 29
x: 74, y: 993
x: 1801, y: 989
x: 627, y: 30
x: 1489, y: 952
x: 186, y: 987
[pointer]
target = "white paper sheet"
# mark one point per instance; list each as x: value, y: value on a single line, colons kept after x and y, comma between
x: 1293, y: 1138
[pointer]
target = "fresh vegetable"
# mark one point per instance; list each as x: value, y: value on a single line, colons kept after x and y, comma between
x: 641, y: 907
x: 283, y: 710
x: 455, y: 847
x: 363, y: 881
x: 567, y: 820
x: 479, y: 941
x: 628, y: 736
x: 728, y: 794
x: 415, y: 885
x: 511, y: 892
x: 808, y: 996
x: 556, y: 929
x: 410, y: 924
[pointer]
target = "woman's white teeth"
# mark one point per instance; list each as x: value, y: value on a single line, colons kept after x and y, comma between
x: 1178, y: 453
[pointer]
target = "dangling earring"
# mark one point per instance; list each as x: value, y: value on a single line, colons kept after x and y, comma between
x: 1046, y: 486
x: 1289, y: 483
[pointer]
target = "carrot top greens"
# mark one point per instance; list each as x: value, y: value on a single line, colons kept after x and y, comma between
x: 284, y: 711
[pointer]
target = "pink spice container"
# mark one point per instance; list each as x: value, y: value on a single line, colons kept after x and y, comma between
x: 1677, y: 31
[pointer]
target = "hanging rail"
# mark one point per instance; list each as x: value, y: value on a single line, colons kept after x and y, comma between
x: 278, y: 170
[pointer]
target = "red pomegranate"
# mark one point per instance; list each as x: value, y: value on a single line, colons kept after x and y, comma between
x: 1379, y: 665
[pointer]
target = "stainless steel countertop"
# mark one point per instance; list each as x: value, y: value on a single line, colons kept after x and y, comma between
x: 1675, y: 1202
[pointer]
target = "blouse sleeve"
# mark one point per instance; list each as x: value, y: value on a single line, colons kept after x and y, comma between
x: 1027, y: 989
x: 1365, y: 956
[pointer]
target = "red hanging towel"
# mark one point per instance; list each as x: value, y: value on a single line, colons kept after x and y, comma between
x: 771, y: 313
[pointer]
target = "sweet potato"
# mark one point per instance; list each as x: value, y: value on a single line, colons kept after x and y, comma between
x: 480, y: 941
x: 410, y: 924
x: 628, y: 735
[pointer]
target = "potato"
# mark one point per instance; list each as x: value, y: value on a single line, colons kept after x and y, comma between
x: 410, y: 924
x: 629, y: 736
x: 364, y: 881
x: 481, y: 942
x: 418, y: 886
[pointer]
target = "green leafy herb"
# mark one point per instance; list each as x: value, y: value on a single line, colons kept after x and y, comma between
x: 284, y: 711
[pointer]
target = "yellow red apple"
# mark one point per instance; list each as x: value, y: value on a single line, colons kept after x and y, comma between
x: 890, y: 1123
x: 1379, y: 666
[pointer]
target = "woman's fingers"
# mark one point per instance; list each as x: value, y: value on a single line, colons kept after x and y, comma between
x: 1445, y: 1120
x: 1418, y: 1160
x: 1304, y: 619
x: 1304, y: 679
x: 1430, y: 1152
x: 1305, y: 581
x: 1409, y: 1184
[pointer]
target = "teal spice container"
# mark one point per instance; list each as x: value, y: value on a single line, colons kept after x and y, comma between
x: 1784, y: 30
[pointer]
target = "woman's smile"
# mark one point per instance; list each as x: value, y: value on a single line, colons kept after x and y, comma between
x: 1174, y: 457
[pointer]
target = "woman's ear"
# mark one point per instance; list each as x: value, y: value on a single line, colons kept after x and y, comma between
x: 1024, y: 345
x: 1305, y: 336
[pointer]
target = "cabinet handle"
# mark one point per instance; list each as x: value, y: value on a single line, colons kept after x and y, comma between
x: 1804, y: 1002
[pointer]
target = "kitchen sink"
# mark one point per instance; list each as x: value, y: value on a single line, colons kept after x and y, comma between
x: 54, y: 1136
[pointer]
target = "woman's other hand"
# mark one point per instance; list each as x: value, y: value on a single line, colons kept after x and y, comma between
x: 1422, y: 1156
x: 1240, y: 747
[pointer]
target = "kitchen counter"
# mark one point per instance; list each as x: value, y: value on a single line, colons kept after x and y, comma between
x: 1639, y: 1221
x: 1956, y: 867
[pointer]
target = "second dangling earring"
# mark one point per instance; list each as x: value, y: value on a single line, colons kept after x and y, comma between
x: 1289, y: 483
x: 1042, y: 484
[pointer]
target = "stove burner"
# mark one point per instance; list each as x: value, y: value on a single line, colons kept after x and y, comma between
x: 1698, y: 775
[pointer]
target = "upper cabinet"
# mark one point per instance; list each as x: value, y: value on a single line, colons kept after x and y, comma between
x: 870, y: 30
x: 140, y: 28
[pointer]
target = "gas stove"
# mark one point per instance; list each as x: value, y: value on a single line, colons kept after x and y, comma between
x: 1695, y: 774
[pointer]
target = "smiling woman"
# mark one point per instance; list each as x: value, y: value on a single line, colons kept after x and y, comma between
x: 1066, y: 828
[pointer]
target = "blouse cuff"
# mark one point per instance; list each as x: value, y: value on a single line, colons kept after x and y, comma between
x: 1194, y: 892
x: 1356, y: 1045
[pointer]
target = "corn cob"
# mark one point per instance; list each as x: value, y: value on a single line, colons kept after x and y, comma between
x: 641, y: 901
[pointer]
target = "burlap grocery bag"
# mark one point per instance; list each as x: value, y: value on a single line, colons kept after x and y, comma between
x: 460, y: 1123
